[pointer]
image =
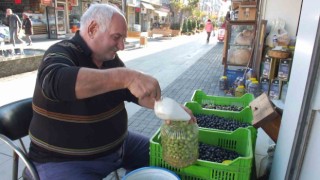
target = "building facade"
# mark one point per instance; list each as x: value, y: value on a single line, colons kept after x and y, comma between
x: 55, y: 18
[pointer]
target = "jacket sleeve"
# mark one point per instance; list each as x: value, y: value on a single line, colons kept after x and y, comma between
x: 19, y: 21
x: 24, y: 23
x: 29, y: 23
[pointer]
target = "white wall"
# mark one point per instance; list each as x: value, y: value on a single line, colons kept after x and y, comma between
x: 310, y: 168
x: 289, y: 10
x: 300, y: 67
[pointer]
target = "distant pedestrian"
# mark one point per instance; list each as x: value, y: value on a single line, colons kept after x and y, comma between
x: 27, y: 26
x: 209, y: 29
x: 15, y: 25
x: 226, y: 20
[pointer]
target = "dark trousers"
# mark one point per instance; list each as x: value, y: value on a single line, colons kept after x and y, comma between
x: 208, y: 37
x: 14, y: 36
x: 133, y: 154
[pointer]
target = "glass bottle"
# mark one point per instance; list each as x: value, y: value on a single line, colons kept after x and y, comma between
x: 254, y: 88
x: 179, y: 141
x: 223, y: 83
x: 248, y: 82
x: 249, y: 74
x: 275, y: 40
x: 239, y: 91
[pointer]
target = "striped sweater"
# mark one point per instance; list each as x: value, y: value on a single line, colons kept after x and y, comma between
x: 64, y: 128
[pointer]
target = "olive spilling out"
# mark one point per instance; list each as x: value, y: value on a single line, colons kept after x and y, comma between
x: 216, y: 122
x: 216, y: 153
x: 222, y: 107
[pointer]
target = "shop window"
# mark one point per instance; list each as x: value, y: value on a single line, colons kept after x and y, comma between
x: 137, y: 19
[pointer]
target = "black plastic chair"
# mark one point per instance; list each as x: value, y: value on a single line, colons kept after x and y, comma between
x: 15, y: 119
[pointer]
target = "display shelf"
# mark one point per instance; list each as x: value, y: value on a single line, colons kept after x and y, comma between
x: 239, y: 43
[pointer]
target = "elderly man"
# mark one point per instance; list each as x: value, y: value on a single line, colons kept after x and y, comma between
x: 14, y: 23
x: 79, y: 129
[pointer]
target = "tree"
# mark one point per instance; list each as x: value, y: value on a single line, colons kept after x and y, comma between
x: 181, y: 11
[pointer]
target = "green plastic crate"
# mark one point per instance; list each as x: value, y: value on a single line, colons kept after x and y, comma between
x: 202, y: 98
x: 245, y: 116
x: 238, y: 169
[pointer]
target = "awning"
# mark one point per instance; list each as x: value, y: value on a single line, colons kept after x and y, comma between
x: 161, y: 13
x: 147, y: 6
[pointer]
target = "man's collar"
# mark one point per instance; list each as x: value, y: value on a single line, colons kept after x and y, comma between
x: 83, y: 45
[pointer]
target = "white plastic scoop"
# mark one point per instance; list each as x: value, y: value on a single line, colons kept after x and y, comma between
x: 169, y: 109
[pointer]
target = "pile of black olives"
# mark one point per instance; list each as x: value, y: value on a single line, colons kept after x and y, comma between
x: 222, y: 107
x: 215, y: 153
x: 216, y: 122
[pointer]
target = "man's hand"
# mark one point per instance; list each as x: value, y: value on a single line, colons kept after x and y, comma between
x: 145, y: 88
x: 192, y: 120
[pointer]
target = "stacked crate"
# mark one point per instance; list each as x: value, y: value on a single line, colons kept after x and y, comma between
x: 238, y: 169
x: 241, y: 140
x: 199, y: 99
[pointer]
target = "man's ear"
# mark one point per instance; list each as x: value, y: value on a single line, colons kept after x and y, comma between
x: 93, y: 29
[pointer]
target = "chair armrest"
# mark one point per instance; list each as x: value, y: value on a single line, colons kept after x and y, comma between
x: 21, y: 155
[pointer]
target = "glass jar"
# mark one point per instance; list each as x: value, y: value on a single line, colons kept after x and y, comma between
x: 248, y: 82
x: 223, y: 83
x: 179, y: 141
x: 239, y: 91
x: 254, y: 88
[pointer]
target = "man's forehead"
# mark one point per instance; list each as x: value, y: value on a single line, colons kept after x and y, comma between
x: 118, y: 26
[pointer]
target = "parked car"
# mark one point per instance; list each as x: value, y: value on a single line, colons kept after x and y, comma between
x: 4, y: 34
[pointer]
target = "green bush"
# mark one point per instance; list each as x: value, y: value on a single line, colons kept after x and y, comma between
x: 189, y: 26
x: 194, y: 24
x: 175, y: 26
x: 184, y: 27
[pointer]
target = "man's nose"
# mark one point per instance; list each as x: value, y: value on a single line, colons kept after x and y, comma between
x: 120, y: 45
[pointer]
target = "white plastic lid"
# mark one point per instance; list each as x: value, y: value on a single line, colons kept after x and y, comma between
x: 169, y: 109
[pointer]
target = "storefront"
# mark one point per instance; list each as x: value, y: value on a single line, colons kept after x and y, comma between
x: 147, y: 16
x: 50, y: 18
x: 296, y: 154
x: 297, y: 144
x: 133, y: 18
x: 63, y: 17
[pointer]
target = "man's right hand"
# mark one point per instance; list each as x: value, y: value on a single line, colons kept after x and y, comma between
x: 144, y: 86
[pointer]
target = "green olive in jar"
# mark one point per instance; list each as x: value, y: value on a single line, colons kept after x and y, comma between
x: 179, y: 141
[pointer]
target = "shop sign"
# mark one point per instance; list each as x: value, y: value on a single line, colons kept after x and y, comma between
x: 61, y: 8
x: 73, y: 2
x: 46, y: 2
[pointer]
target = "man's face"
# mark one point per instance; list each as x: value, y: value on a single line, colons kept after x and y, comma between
x: 9, y: 11
x: 108, y: 43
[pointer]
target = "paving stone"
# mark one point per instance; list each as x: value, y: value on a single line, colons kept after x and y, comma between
x: 203, y: 74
